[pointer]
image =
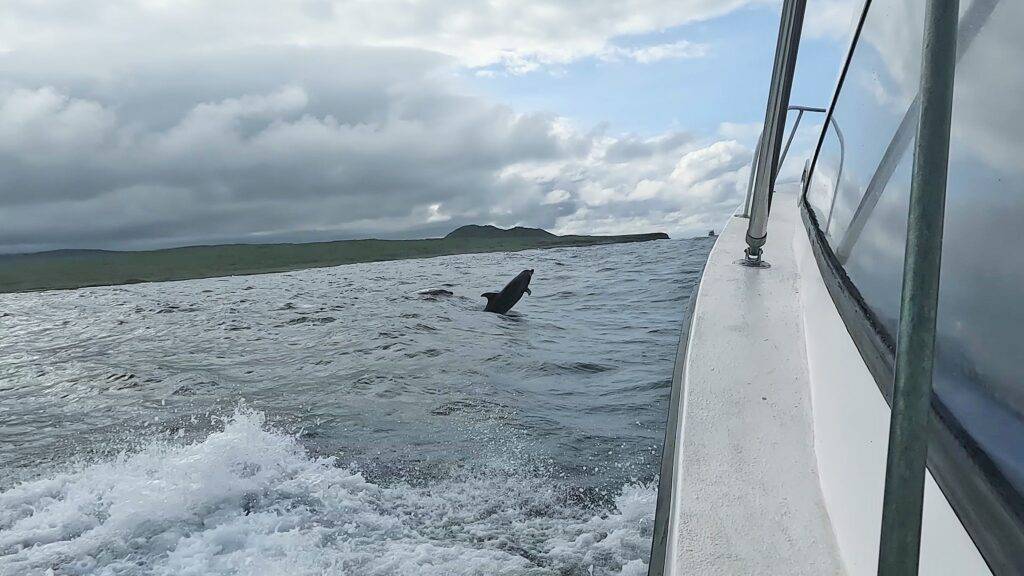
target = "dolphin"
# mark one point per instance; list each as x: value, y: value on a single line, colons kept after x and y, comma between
x: 502, y: 302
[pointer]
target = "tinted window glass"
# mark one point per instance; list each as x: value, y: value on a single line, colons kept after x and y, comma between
x: 981, y: 310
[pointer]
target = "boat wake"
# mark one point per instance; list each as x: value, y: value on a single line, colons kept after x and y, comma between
x: 248, y: 499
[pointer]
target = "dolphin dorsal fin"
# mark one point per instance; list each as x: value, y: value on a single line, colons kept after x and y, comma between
x: 489, y: 295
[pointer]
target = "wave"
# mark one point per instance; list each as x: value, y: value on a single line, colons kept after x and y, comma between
x: 248, y: 499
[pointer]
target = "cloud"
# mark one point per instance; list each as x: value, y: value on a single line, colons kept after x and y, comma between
x: 283, y: 164
x: 656, y: 53
x: 134, y: 125
x: 672, y: 183
x: 834, y: 19
x: 706, y: 163
x: 557, y: 196
x: 37, y: 124
x: 747, y: 133
x: 105, y: 36
x: 299, y: 156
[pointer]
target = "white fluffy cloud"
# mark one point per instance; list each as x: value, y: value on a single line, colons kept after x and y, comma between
x: 656, y: 53
x: 670, y: 183
x: 832, y: 18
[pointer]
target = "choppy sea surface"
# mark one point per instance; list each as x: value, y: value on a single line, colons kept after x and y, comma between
x: 337, y: 421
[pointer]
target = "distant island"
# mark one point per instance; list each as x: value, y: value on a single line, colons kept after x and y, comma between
x: 488, y: 231
x: 67, y: 269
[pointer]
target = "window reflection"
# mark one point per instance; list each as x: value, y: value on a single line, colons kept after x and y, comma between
x: 981, y: 310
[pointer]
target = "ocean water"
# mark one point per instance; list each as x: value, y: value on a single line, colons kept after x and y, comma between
x: 336, y: 421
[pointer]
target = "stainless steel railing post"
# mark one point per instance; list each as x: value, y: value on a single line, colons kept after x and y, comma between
x: 774, y: 126
x: 900, y: 546
x: 750, y: 182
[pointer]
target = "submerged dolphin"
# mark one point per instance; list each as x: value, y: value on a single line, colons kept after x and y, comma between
x: 503, y: 301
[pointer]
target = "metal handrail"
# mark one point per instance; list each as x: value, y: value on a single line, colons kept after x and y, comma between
x: 785, y: 151
x: 750, y: 181
x: 796, y: 124
x: 839, y: 173
x: 903, y: 501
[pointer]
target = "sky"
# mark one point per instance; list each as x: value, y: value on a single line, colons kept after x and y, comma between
x: 156, y: 123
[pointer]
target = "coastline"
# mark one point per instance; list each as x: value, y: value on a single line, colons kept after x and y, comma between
x: 69, y: 270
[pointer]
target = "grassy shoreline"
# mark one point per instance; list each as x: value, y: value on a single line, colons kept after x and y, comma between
x: 70, y: 269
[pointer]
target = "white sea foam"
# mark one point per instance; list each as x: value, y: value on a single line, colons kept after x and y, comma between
x: 250, y: 500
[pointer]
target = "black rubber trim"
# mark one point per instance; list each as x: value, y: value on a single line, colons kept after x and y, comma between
x: 869, y: 335
x: 666, y: 479
x: 980, y: 495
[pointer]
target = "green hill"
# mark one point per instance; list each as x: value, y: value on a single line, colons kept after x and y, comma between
x: 488, y: 231
x: 65, y: 269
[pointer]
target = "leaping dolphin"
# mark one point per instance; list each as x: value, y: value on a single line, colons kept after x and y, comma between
x: 502, y: 302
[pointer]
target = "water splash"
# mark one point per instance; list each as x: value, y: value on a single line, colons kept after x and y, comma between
x: 248, y: 499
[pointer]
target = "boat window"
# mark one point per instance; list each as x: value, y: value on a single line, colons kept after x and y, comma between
x: 979, y: 395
